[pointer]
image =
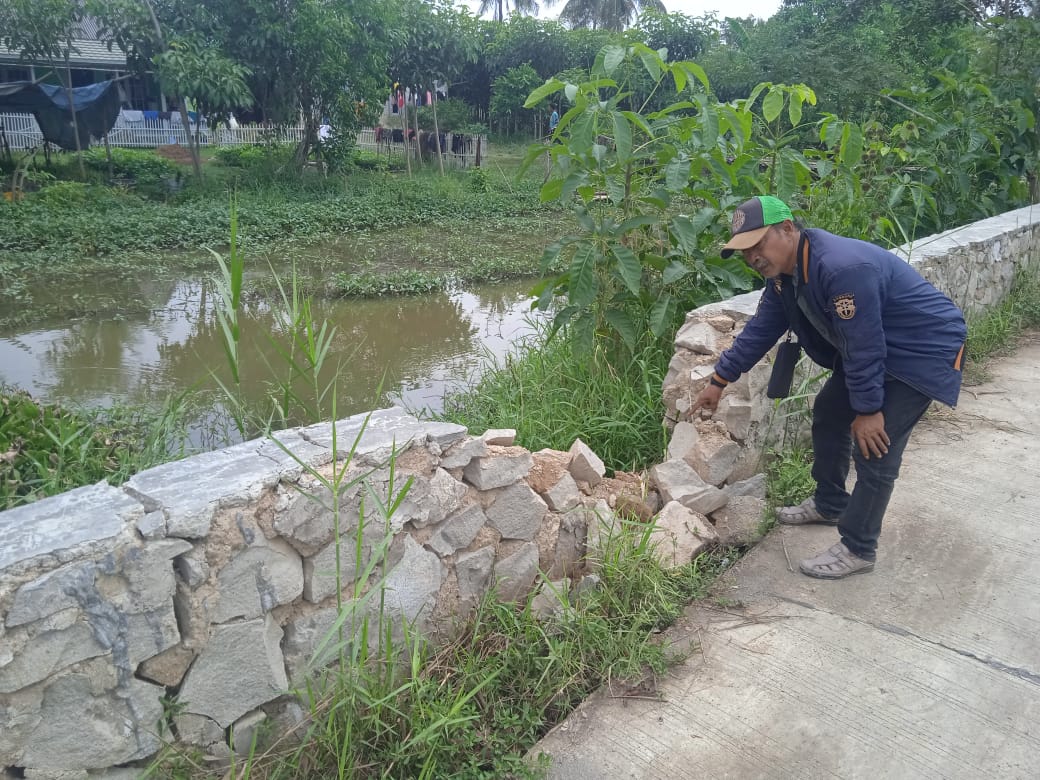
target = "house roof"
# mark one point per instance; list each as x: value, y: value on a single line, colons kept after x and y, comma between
x: 89, y: 51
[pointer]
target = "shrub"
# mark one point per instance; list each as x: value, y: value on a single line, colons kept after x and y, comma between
x: 64, y: 193
x: 144, y: 167
x: 241, y: 156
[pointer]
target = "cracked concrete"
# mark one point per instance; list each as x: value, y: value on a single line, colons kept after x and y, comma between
x: 927, y: 668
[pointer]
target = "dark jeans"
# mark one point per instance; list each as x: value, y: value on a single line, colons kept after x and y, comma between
x: 862, y: 512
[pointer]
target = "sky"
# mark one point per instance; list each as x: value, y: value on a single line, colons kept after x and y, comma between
x: 763, y: 9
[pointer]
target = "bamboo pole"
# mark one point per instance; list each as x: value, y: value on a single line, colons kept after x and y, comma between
x: 404, y: 135
x: 418, y: 148
x: 108, y: 156
x: 437, y: 132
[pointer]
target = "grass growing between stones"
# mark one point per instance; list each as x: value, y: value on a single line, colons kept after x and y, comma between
x: 553, y: 393
x: 996, y: 332
x: 475, y: 706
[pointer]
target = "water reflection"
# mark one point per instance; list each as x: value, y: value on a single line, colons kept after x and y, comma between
x: 169, y: 341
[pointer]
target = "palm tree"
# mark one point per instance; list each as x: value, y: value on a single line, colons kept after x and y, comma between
x: 606, y: 14
x: 499, y: 8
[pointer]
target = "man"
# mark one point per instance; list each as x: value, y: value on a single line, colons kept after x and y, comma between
x: 894, y: 342
x: 554, y: 119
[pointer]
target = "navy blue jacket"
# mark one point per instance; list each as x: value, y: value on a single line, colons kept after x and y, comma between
x: 864, y: 311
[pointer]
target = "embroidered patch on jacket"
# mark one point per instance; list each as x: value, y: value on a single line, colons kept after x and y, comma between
x: 777, y: 285
x: 738, y: 221
x: 845, y: 305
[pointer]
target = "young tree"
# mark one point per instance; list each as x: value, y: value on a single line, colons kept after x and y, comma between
x: 159, y: 35
x: 313, y: 59
x: 43, y: 30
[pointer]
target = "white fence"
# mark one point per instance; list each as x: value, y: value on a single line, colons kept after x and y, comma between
x: 460, y: 151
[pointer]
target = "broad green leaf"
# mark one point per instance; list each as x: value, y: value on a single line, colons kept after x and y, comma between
x: 773, y: 104
x: 786, y: 178
x: 685, y: 233
x: 548, y: 88
x: 896, y: 196
x: 622, y: 137
x: 659, y: 198
x: 673, y: 272
x: 628, y: 267
x: 693, y: 70
x: 656, y: 262
x: 852, y: 144
x: 571, y: 183
x: 616, y: 189
x: 551, y: 190
x: 700, y: 221
x: 709, y: 125
x: 549, y: 256
x: 652, y: 63
x: 583, y: 284
x: 543, y: 294
x: 612, y: 57
x: 621, y: 322
x: 679, y: 75
x: 677, y: 174
x: 794, y: 108
x: 661, y: 314
x: 599, y: 151
x: 583, y: 332
x: 562, y: 317
x: 634, y: 222
x: 637, y: 120
x: 585, y: 220
x: 757, y: 91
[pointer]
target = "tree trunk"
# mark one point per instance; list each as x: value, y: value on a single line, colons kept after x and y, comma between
x: 195, y: 163
x: 404, y: 137
x: 310, y: 137
x: 72, y: 112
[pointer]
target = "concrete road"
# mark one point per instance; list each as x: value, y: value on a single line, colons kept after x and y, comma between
x: 929, y: 667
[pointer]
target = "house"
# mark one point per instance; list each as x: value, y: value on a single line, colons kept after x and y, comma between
x: 90, y: 62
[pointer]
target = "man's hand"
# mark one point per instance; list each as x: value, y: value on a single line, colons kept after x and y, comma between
x: 869, y: 432
x: 707, y: 399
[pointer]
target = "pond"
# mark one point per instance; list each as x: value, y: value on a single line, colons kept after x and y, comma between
x: 166, y: 341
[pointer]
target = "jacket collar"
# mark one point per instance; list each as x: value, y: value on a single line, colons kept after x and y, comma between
x: 802, y: 266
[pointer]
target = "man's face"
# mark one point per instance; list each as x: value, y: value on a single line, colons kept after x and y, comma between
x: 775, y: 253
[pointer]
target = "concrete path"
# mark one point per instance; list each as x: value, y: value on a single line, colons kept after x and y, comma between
x: 927, y: 668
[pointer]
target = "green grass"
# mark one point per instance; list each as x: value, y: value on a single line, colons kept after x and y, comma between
x: 474, y: 707
x: 996, y: 332
x: 46, y: 449
x: 552, y: 394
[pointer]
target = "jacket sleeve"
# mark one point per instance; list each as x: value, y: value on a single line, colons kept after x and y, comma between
x: 759, y: 335
x: 854, y: 302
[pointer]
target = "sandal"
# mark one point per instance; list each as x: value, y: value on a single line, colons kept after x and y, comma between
x: 803, y: 514
x: 836, y: 563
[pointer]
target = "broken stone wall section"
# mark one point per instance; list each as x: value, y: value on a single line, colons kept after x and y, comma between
x: 215, y: 579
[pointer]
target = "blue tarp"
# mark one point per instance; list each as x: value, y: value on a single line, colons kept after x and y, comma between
x: 96, y: 107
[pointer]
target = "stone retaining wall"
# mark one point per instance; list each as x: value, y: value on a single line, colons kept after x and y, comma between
x: 974, y: 265
x: 213, y: 578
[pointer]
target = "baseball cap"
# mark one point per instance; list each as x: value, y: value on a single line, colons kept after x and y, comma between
x: 752, y: 219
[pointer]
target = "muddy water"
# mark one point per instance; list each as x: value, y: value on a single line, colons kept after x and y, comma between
x: 167, y: 341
